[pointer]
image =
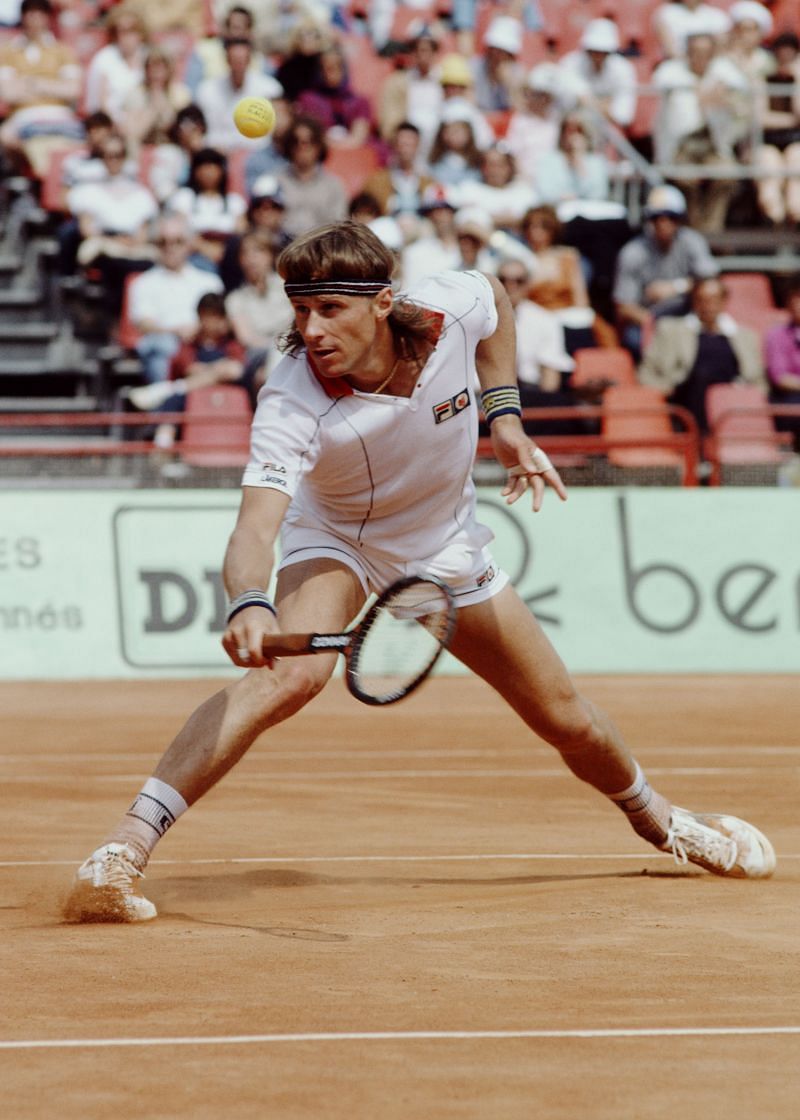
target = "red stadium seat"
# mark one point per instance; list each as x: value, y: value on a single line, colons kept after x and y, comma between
x: 352, y: 166
x: 602, y: 365
x: 741, y: 429
x: 639, y: 413
x: 216, y: 430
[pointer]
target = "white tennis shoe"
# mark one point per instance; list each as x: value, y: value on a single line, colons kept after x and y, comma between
x: 104, y: 889
x: 719, y: 843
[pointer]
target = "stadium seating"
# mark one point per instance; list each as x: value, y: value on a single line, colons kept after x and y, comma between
x: 742, y: 430
x: 601, y: 366
x: 216, y: 430
x: 639, y: 414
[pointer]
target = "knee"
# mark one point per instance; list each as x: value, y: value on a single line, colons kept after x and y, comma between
x: 573, y: 725
x: 278, y: 693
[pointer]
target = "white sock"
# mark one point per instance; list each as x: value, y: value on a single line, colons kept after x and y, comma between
x: 648, y: 812
x: 155, y: 809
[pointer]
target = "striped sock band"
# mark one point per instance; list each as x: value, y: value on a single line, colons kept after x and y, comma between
x: 502, y: 401
x: 648, y: 812
x: 157, y: 805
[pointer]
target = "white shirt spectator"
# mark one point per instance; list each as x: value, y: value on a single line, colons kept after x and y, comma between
x: 169, y: 298
x: 540, y: 342
x: 110, y: 79
x: 675, y: 22
x: 209, y: 213
x: 426, y: 257
x: 498, y: 202
x: 116, y: 205
x: 681, y: 113
x: 614, y: 84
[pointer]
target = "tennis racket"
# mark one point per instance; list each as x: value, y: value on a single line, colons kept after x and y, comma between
x: 393, y: 648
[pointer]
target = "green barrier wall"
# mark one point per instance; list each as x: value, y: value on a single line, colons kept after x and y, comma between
x: 127, y: 584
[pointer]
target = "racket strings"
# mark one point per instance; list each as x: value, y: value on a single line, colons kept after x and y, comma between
x: 405, y: 636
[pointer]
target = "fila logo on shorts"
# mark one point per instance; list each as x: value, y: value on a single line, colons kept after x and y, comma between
x: 487, y: 576
x: 451, y: 407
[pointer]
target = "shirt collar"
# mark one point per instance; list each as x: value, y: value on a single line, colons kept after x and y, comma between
x: 725, y: 324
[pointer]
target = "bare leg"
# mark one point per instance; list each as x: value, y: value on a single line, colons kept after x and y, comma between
x: 318, y: 595
x: 502, y: 642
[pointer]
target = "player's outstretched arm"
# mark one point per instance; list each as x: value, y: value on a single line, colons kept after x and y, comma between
x: 247, y: 572
x: 527, y: 465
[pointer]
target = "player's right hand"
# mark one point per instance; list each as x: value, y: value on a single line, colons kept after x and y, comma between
x: 243, y: 640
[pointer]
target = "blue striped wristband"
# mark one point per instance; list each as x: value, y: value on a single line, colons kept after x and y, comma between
x: 252, y: 598
x: 502, y: 401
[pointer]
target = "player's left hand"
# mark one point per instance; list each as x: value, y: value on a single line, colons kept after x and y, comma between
x: 528, y: 466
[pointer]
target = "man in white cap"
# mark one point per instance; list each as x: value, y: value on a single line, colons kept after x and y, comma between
x: 498, y: 72
x: 674, y: 21
x: 598, y: 76
x: 533, y: 127
x: 706, y: 111
x: 655, y: 270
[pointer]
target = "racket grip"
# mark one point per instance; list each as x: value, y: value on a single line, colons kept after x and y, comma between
x: 296, y: 645
x: 286, y: 645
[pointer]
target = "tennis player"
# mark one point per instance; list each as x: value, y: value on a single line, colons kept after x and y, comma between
x: 362, y: 452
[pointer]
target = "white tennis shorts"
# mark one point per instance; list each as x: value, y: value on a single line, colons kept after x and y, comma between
x: 471, y: 573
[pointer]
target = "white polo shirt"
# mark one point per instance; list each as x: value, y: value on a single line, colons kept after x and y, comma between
x: 170, y: 298
x: 392, y: 475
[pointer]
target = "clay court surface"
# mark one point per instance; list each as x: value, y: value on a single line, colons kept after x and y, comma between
x: 408, y: 913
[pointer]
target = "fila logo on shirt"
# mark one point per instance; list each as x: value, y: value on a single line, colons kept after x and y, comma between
x: 451, y: 407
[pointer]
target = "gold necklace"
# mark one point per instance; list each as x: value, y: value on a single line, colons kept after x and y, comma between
x: 392, y: 372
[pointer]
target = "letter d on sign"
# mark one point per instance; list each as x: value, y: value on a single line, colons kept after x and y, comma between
x: 156, y: 583
x: 634, y: 579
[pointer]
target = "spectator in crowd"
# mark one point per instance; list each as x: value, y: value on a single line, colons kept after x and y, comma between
x: 533, y: 127
x: 363, y: 207
x: 542, y: 361
x: 413, y: 93
x: 457, y: 86
x: 151, y: 108
x: 779, y: 197
x: 214, y: 212
x: 218, y: 97
x: 702, y: 348
x: 171, y: 162
x: 474, y: 229
x: 40, y: 81
x: 265, y: 215
x: 751, y: 25
x: 114, y: 216
x: 783, y: 363
x: 207, y: 59
x: 705, y: 112
x: 345, y: 115
x: 258, y: 310
x: 454, y: 156
x: 574, y: 169
x: 505, y: 195
x: 85, y: 164
x: 598, y: 77
x: 299, y: 69
x: 655, y: 270
x: 437, y: 250
x: 675, y: 21
x: 498, y: 74
x: 162, y: 302
x: 398, y: 187
x: 313, y: 196
x: 558, y: 283
x: 118, y: 67
x: 464, y: 14
x: 212, y: 356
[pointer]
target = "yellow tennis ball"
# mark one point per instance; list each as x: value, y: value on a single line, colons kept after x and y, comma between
x: 254, y: 117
